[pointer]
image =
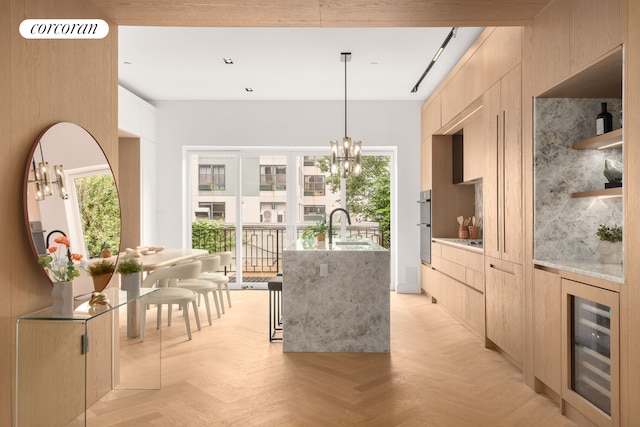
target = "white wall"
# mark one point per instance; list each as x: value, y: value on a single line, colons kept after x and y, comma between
x: 295, y: 124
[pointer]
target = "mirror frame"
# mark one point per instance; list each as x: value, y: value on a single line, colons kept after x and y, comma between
x: 25, y: 194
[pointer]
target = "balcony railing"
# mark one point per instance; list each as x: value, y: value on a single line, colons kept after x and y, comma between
x: 262, y: 245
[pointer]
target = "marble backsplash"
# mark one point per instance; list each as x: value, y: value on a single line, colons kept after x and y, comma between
x: 564, y: 227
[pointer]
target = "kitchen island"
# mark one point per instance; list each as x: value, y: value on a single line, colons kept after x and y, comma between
x: 336, y: 299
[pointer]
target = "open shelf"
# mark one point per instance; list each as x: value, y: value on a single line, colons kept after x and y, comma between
x: 609, y: 139
x: 607, y: 192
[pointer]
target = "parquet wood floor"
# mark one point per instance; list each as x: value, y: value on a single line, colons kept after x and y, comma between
x: 438, y: 374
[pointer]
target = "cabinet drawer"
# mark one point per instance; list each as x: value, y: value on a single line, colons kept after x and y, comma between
x: 453, y: 254
x: 454, y: 270
x: 475, y: 279
x: 474, y: 261
x: 436, y: 249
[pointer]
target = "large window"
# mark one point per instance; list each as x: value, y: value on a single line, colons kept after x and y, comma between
x: 211, y: 177
x: 273, y: 177
x: 315, y: 213
x: 216, y: 210
x: 314, y: 185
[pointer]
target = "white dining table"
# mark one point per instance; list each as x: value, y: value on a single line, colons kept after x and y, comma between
x: 170, y: 256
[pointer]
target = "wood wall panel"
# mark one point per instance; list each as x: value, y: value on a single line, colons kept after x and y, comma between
x: 43, y: 82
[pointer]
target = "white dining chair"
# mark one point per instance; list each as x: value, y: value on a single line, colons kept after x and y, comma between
x: 220, y: 278
x: 204, y: 286
x: 168, y: 293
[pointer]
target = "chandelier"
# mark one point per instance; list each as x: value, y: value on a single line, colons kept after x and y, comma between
x: 346, y: 159
x: 42, y: 178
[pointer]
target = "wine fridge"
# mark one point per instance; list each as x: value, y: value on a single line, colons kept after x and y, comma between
x: 591, y: 360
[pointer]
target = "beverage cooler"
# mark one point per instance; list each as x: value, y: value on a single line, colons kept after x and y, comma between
x: 591, y: 351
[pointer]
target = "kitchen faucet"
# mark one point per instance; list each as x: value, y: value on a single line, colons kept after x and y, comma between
x: 331, y: 222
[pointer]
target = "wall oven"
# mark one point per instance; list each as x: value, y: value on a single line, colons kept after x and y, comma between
x: 425, y: 226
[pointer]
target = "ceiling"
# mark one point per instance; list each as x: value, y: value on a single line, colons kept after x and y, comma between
x: 290, y: 49
x: 186, y: 63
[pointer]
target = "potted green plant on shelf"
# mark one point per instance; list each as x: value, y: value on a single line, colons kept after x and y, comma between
x: 610, y: 244
x: 101, y: 272
x: 130, y: 271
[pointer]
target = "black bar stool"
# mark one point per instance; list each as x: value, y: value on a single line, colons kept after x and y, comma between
x: 275, y: 308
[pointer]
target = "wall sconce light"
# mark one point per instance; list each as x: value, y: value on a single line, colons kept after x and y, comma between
x: 43, y: 182
x: 346, y: 160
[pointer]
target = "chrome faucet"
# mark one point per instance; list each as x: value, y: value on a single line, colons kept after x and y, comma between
x: 331, y: 222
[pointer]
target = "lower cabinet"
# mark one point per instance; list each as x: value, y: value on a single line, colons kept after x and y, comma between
x: 504, y: 296
x: 547, y: 331
x: 455, y: 280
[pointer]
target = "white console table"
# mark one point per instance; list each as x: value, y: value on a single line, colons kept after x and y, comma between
x: 64, y: 364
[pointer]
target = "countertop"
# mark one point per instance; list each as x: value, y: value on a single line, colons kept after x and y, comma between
x: 467, y: 244
x: 338, y: 245
x: 611, y: 272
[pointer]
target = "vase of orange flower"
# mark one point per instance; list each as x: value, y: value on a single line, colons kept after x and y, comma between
x: 64, y: 266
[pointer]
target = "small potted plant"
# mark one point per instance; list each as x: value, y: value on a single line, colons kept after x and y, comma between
x: 101, y: 272
x: 130, y: 271
x: 317, y: 231
x: 105, y: 250
x: 610, y: 244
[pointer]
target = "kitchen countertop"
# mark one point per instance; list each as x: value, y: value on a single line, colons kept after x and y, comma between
x: 611, y: 272
x: 467, y: 244
x: 360, y: 245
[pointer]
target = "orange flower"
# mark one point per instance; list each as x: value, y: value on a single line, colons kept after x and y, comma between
x: 62, y: 240
x: 52, y: 249
x: 76, y: 257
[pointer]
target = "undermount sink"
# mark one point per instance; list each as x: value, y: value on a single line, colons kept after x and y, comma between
x: 359, y: 242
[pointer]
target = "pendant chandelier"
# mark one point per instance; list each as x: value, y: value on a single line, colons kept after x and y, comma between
x: 346, y: 159
x: 42, y: 179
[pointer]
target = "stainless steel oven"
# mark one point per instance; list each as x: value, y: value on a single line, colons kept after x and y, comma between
x: 425, y: 226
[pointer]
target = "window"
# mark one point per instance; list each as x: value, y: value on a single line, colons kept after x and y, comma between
x: 314, y: 213
x: 309, y: 161
x: 314, y: 185
x: 211, y: 177
x: 216, y: 209
x: 273, y: 177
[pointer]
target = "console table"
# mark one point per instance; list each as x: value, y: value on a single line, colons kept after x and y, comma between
x: 64, y: 364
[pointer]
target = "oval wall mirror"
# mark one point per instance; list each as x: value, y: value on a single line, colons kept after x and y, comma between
x: 70, y: 192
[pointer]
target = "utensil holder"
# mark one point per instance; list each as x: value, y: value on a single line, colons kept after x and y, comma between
x: 463, y: 232
x: 474, y: 232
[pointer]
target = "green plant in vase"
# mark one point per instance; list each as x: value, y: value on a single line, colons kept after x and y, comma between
x: 610, y: 243
x: 101, y: 272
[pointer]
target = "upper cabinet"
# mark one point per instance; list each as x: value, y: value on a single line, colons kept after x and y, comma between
x: 570, y: 35
x: 430, y: 124
x: 473, y: 149
x: 503, y: 169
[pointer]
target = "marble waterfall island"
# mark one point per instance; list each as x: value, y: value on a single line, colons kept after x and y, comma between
x: 336, y: 299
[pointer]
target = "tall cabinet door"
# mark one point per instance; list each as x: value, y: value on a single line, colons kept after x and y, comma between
x: 510, y: 101
x: 503, y: 169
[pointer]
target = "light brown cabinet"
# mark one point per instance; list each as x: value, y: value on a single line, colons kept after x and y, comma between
x: 473, y: 149
x: 504, y: 299
x: 503, y: 212
x: 456, y: 281
x: 547, y: 334
x: 569, y: 35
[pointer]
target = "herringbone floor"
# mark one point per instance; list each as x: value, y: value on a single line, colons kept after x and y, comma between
x: 438, y: 374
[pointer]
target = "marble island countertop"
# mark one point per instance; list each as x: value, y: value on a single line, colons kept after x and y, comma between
x: 360, y: 245
x: 468, y: 244
x: 611, y: 272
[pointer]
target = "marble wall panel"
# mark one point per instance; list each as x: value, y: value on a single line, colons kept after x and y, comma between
x: 565, y: 228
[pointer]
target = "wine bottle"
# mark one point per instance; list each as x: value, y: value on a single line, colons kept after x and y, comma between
x: 604, y: 121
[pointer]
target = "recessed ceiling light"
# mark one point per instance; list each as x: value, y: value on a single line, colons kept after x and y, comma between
x: 227, y: 60
x: 248, y: 89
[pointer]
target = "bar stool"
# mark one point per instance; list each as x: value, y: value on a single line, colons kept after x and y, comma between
x: 275, y: 307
